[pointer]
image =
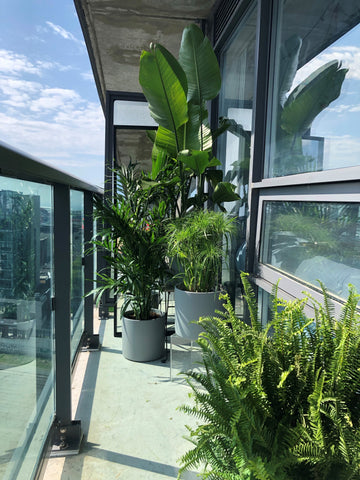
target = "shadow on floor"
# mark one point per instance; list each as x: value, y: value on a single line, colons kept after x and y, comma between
x: 93, y: 450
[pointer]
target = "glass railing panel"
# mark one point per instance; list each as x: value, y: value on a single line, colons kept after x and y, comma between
x: 26, y: 324
x: 77, y: 268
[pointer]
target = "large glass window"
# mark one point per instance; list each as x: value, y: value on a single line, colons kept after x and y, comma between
x: 236, y: 103
x: 77, y: 267
x: 316, y: 87
x: 26, y: 324
x: 314, y: 241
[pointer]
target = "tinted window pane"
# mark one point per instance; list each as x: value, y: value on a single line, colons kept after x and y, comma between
x: 77, y: 268
x: 26, y: 324
x: 316, y: 94
x: 236, y: 103
x: 314, y: 241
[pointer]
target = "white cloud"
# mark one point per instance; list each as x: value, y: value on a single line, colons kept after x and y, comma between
x: 12, y: 88
x: 58, y: 30
x: 343, y: 108
x: 349, y: 56
x: 54, y: 98
x: 16, y: 64
x: 43, y: 65
x: 12, y: 63
x: 70, y: 139
x: 341, y: 151
x: 88, y: 76
x: 54, y: 124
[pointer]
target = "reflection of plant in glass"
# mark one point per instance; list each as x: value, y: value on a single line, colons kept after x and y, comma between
x: 240, y: 168
x: 314, y: 229
x: 298, y: 109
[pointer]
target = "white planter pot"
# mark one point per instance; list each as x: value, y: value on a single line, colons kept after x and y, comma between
x: 143, y: 340
x: 190, y: 306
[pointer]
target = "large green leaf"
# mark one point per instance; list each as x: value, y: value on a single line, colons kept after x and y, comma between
x: 214, y: 176
x: 311, y: 97
x: 289, y: 61
x: 197, y: 160
x: 198, y: 133
x: 197, y: 58
x: 224, y: 124
x: 159, y: 160
x: 225, y: 192
x: 166, y: 140
x: 165, y: 87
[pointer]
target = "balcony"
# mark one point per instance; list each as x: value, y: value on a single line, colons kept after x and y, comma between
x: 61, y: 394
x: 128, y: 414
x: 45, y: 223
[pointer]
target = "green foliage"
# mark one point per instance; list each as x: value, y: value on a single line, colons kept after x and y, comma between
x: 197, y: 242
x: 133, y: 242
x: 177, y: 91
x: 280, y: 402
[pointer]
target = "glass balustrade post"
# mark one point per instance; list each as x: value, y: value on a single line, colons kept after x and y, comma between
x: 92, y: 340
x: 67, y: 435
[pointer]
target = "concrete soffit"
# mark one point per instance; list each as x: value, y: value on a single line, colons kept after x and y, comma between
x: 117, y: 31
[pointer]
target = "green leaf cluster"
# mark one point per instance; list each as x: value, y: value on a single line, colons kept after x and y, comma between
x: 177, y: 92
x: 280, y: 402
x: 198, y: 242
x: 132, y: 241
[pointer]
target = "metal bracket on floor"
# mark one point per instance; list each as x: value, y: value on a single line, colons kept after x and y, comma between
x: 66, y: 439
x: 91, y: 343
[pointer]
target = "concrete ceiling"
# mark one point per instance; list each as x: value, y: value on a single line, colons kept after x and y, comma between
x: 116, y: 31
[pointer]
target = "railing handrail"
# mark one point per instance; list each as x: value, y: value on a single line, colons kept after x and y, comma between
x: 15, y: 163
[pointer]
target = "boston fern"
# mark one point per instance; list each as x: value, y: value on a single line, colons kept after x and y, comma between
x: 280, y: 402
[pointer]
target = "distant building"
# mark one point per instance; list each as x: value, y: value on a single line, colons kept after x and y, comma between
x: 19, y: 245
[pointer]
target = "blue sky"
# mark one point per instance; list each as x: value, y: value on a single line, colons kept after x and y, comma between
x: 49, y: 107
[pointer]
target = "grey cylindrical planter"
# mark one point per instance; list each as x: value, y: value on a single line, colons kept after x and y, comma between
x: 143, y: 340
x: 190, y: 306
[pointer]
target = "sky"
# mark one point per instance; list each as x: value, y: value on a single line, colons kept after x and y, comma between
x: 49, y: 106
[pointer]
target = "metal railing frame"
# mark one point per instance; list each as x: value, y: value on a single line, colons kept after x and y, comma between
x: 18, y: 165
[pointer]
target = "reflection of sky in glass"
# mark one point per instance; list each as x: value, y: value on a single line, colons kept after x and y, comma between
x: 339, y: 122
x: 27, y: 188
x: 32, y: 188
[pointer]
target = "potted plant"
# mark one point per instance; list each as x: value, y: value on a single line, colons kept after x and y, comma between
x: 134, y: 246
x: 280, y: 401
x: 177, y: 92
x: 197, y: 242
x: 184, y: 164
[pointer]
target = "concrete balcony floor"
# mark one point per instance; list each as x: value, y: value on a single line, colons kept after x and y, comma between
x: 128, y: 412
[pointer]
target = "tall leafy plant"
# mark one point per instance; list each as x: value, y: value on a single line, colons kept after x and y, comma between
x: 177, y: 92
x: 133, y: 241
x: 279, y: 402
x: 198, y: 242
